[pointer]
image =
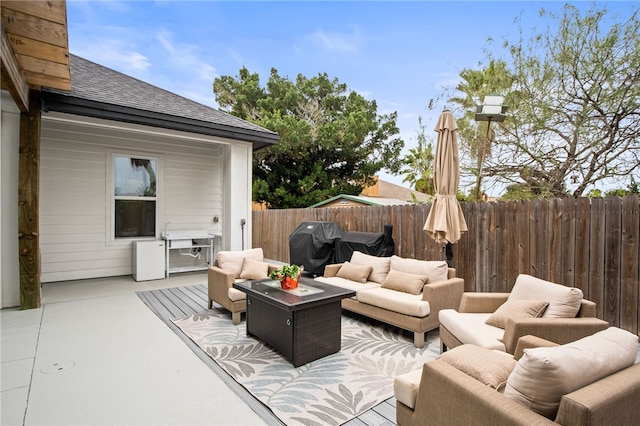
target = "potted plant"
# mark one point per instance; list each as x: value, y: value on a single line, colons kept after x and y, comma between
x: 288, y: 275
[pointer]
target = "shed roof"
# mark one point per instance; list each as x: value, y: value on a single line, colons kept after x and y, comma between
x: 370, y: 201
x: 98, y: 91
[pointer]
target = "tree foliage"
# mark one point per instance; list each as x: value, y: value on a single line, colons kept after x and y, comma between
x: 417, y: 165
x: 574, y: 106
x: 332, y: 140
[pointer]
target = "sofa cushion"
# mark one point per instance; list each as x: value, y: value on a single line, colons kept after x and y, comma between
x: 254, y: 269
x: 543, y: 375
x: 396, y: 301
x: 231, y: 261
x: 564, y: 302
x: 404, y: 281
x: 471, y: 328
x: 380, y: 265
x: 489, y: 367
x: 348, y: 284
x: 516, y: 309
x: 353, y: 272
x: 405, y: 387
x: 435, y: 271
x: 236, y: 295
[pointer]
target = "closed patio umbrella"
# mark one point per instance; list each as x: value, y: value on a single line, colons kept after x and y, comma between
x: 445, y: 222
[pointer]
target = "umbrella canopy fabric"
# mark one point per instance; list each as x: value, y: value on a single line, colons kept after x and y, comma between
x: 445, y: 222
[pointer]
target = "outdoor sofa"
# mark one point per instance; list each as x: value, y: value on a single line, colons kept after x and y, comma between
x: 235, y: 266
x: 592, y: 381
x: 406, y: 293
x: 497, y: 320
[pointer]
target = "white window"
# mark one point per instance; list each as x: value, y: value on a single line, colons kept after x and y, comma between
x: 135, y: 196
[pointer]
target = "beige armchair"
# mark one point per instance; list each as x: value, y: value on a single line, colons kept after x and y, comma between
x: 230, y: 267
x: 442, y: 394
x: 566, y: 317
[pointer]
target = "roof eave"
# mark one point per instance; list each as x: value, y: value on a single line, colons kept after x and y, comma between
x: 73, y: 105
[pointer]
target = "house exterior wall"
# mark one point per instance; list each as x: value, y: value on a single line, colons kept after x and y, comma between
x: 75, y: 206
x: 9, y: 145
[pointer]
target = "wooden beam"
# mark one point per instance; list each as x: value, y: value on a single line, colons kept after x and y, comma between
x: 29, y: 204
x: 30, y: 26
x: 13, y: 79
x: 51, y: 10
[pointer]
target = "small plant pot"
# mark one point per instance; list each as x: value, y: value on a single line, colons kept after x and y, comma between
x: 289, y: 283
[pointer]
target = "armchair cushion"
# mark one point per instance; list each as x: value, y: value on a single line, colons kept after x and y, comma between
x: 236, y: 295
x: 516, y: 309
x: 254, y: 269
x: 353, y: 272
x: 471, y: 328
x: 489, y: 367
x: 564, y: 302
x: 435, y: 271
x: 404, y: 281
x: 380, y: 265
x: 231, y: 261
x: 543, y: 375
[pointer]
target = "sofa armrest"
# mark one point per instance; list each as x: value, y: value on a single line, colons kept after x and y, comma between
x: 331, y: 270
x: 557, y: 330
x: 612, y: 400
x: 449, y: 396
x: 219, y: 283
x: 528, y: 342
x: 444, y: 294
x: 482, y: 302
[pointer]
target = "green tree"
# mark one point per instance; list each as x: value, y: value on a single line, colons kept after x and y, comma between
x: 476, y: 137
x: 417, y: 165
x: 332, y: 140
x: 574, y: 114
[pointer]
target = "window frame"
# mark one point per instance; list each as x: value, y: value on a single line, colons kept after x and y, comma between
x: 111, y: 197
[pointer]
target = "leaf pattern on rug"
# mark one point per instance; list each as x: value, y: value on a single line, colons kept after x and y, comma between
x: 328, y: 391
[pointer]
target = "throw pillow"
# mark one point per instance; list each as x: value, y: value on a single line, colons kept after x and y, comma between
x: 485, y: 365
x: 231, y: 261
x: 435, y: 271
x: 380, y: 265
x: 516, y: 309
x: 543, y: 375
x: 404, y: 281
x: 357, y: 273
x: 254, y: 269
x: 564, y: 302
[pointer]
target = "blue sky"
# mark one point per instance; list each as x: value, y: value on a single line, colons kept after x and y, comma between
x: 401, y: 54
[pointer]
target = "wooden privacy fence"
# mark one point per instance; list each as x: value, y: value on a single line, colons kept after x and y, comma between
x: 592, y: 244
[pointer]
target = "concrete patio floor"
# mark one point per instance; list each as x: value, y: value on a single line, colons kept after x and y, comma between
x: 95, y: 354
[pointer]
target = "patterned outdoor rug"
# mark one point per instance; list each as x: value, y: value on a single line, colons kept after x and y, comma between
x: 329, y: 391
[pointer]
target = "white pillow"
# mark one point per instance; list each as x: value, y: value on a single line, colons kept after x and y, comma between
x: 380, y: 265
x: 564, y: 302
x: 231, y: 261
x: 254, y: 269
x: 435, y: 271
x: 543, y: 375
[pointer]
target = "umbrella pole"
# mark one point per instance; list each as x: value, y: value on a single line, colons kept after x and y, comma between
x: 447, y: 253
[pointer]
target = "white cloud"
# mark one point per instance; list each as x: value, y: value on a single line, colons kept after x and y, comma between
x: 113, y: 53
x: 185, y: 57
x: 337, y: 42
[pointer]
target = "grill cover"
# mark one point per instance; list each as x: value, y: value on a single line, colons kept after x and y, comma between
x: 311, y: 245
x: 372, y: 243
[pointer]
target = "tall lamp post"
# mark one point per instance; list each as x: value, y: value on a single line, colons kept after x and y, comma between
x: 491, y: 110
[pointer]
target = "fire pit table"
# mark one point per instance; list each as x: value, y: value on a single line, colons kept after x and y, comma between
x: 303, y: 324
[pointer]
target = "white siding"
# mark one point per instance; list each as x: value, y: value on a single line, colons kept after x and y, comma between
x: 75, y: 200
x: 9, y: 144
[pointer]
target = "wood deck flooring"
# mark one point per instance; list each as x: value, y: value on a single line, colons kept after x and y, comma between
x: 179, y: 302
